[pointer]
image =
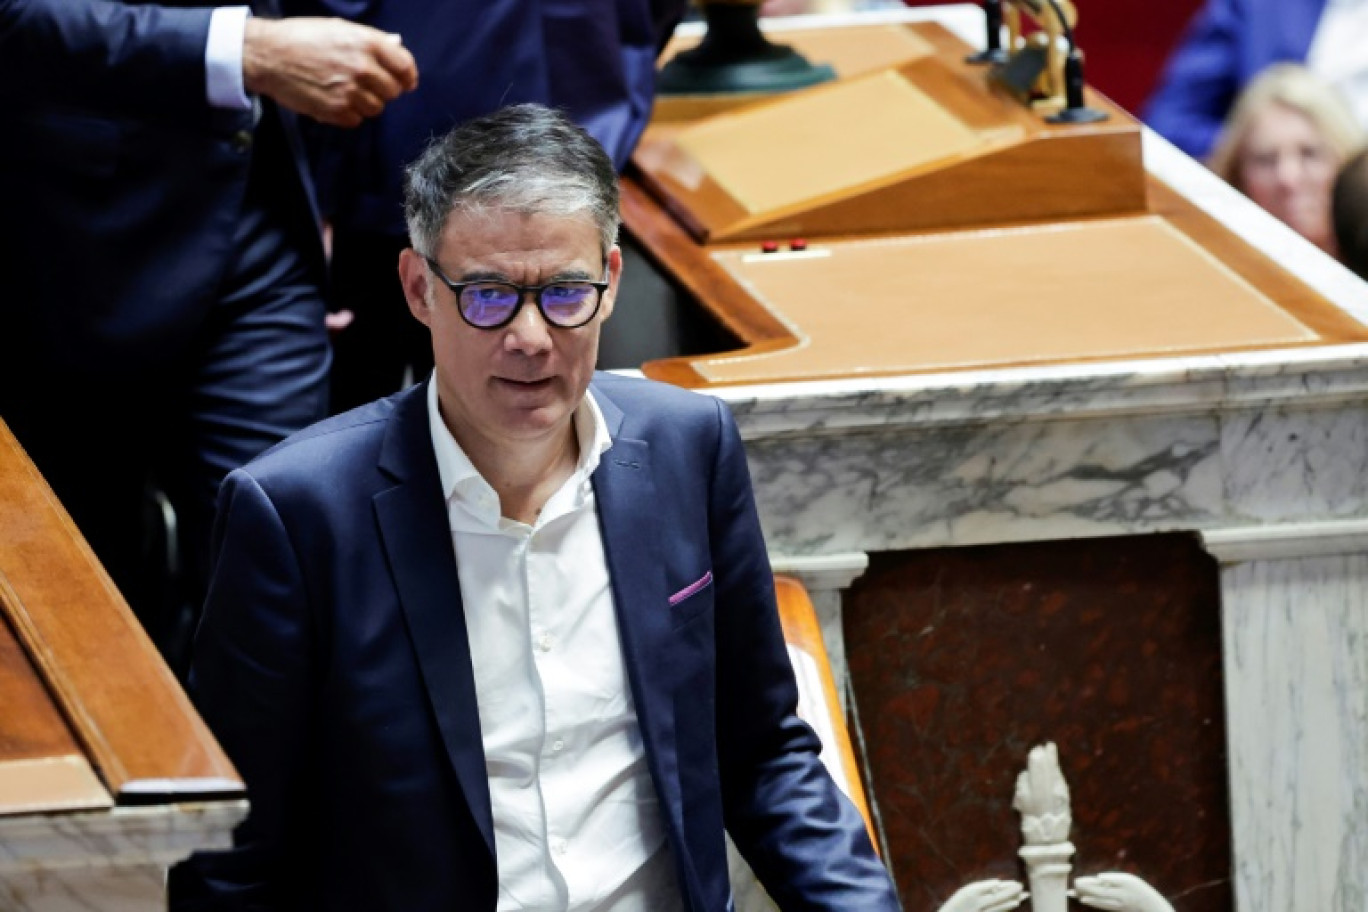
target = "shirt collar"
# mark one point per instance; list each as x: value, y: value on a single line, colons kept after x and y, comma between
x: 461, y: 479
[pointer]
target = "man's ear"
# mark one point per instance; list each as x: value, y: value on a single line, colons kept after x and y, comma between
x: 415, y: 277
x: 614, y: 282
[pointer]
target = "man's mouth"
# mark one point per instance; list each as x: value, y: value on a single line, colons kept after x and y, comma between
x: 532, y: 384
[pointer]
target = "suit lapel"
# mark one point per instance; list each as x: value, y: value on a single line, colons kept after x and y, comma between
x: 417, y: 538
x: 626, y: 496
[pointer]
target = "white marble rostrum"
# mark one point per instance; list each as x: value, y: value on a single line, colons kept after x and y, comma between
x: 110, y: 861
x: 1263, y: 454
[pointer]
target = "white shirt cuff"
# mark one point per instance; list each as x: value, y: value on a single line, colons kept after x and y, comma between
x: 223, y: 58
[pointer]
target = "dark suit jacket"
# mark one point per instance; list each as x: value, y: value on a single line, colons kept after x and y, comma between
x: 333, y: 665
x: 1228, y: 43
x: 120, y: 186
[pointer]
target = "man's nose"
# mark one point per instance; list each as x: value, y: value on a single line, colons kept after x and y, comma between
x: 529, y: 332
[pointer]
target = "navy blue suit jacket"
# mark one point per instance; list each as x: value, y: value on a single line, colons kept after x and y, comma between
x: 1227, y: 44
x: 333, y: 665
x: 121, y: 186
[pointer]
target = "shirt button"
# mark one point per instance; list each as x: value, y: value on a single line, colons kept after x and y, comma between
x: 242, y: 141
x: 557, y: 746
x: 560, y: 846
x: 544, y: 642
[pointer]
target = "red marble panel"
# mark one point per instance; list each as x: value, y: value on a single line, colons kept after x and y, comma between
x: 963, y: 659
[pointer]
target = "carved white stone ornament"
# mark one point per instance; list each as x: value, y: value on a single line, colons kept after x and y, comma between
x: 986, y: 896
x: 1042, y: 798
x: 1122, y: 892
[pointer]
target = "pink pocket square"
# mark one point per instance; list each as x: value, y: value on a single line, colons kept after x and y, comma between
x: 690, y: 589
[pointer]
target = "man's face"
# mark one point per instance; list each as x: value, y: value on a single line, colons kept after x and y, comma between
x: 522, y: 382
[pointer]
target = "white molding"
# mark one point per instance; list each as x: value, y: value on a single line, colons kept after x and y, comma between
x: 121, y: 837
x: 1286, y: 541
x: 823, y: 572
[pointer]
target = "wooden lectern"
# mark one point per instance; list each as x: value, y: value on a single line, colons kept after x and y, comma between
x: 107, y: 775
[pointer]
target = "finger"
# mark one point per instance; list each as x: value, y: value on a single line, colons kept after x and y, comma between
x: 364, y: 103
x: 380, y: 83
x: 335, y: 115
x: 397, y: 61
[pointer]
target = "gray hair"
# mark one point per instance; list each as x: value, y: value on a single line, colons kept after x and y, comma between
x: 525, y: 159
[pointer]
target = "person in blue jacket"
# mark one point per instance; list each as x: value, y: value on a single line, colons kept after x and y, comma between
x: 507, y: 640
x: 161, y: 318
x: 1228, y: 43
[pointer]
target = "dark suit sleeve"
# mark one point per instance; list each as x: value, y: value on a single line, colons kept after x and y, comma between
x: 101, y: 54
x: 250, y: 681
x: 1201, y: 79
x: 803, y: 838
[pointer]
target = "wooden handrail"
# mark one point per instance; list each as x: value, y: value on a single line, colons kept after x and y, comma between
x: 802, y: 632
x: 123, y: 704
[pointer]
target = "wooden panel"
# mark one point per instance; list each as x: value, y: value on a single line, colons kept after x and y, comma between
x: 961, y: 660
x: 798, y: 161
x: 1086, y: 174
x: 802, y: 632
x: 128, y: 713
x: 42, y: 767
x: 929, y: 145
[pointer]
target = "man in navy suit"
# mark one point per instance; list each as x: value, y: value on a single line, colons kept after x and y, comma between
x: 161, y: 314
x: 508, y: 640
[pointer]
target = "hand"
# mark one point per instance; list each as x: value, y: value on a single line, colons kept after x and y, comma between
x: 1120, y: 893
x: 334, y: 71
x: 986, y: 896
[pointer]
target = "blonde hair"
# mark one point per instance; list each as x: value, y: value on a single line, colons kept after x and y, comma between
x: 1295, y: 87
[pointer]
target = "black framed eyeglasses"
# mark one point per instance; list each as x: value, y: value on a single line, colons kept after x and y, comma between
x: 565, y: 303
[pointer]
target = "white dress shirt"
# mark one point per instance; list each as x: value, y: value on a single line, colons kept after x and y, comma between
x: 223, y: 58
x: 1339, y: 52
x: 577, y: 824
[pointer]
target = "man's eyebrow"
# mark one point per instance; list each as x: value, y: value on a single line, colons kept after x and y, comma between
x: 482, y: 275
x: 572, y: 275
x: 565, y: 275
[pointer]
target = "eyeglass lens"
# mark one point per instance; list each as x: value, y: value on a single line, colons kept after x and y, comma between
x: 563, y: 304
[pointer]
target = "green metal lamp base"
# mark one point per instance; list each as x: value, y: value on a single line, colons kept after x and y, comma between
x: 735, y: 57
x: 776, y: 75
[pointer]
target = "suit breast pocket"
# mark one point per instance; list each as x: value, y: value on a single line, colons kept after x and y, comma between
x: 692, y: 601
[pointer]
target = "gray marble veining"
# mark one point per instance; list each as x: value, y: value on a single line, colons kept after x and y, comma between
x: 1296, y: 643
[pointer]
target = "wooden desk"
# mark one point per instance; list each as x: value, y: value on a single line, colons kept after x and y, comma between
x: 925, y: 252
